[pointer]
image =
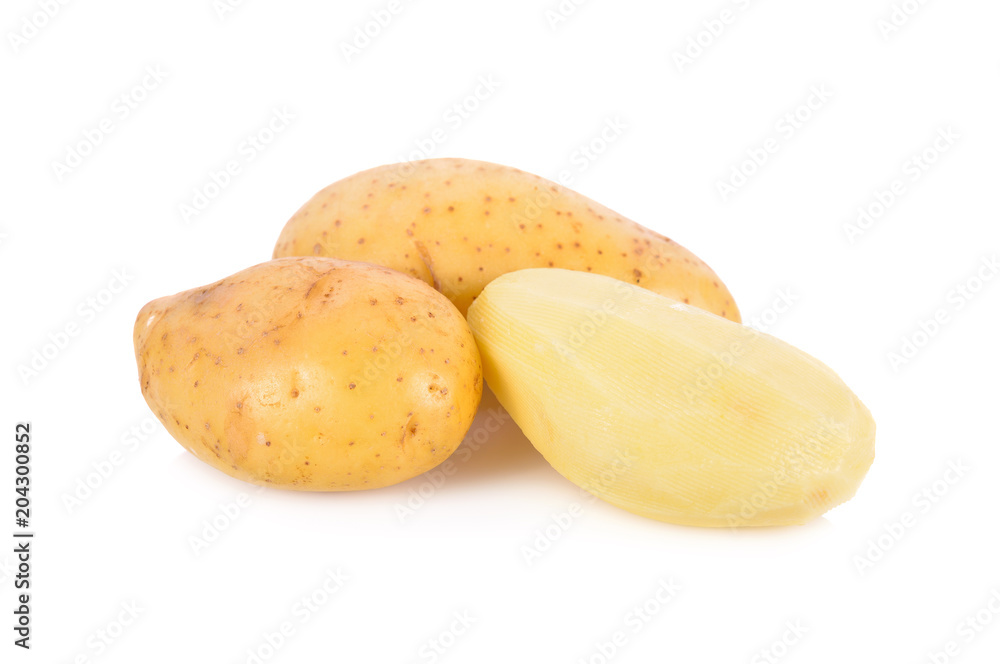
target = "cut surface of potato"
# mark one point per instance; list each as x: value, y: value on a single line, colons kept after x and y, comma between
x: 665, y: 410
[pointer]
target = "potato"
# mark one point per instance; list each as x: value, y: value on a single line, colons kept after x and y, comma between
x: 311, y: 373
x: 458, y: 224
x: 665, y: 410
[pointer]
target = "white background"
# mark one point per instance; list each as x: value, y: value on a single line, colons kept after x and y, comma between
x: 852, y: 590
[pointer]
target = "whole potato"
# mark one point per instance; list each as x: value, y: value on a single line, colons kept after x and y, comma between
x: 458, y: 224
x: 311, y: 374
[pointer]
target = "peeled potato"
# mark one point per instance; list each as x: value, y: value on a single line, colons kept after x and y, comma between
x: 458, y: 224
x: 665, y: 410
x: 311, y: 373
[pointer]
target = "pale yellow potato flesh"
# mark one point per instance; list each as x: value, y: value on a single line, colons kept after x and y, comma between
x: 665, y: 410
x: 457, y: 224
x: 311, y: 374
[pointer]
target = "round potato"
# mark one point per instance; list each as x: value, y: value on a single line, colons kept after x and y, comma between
x: 311, y: 373
x: 458, y: 224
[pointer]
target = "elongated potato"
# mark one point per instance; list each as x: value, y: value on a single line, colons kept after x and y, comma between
x: 458, y: 224
x: 665, y: 410
x: 311, y: 373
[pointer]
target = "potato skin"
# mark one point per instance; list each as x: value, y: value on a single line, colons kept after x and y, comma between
x: 458, y: 224
x: 311, y: 374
